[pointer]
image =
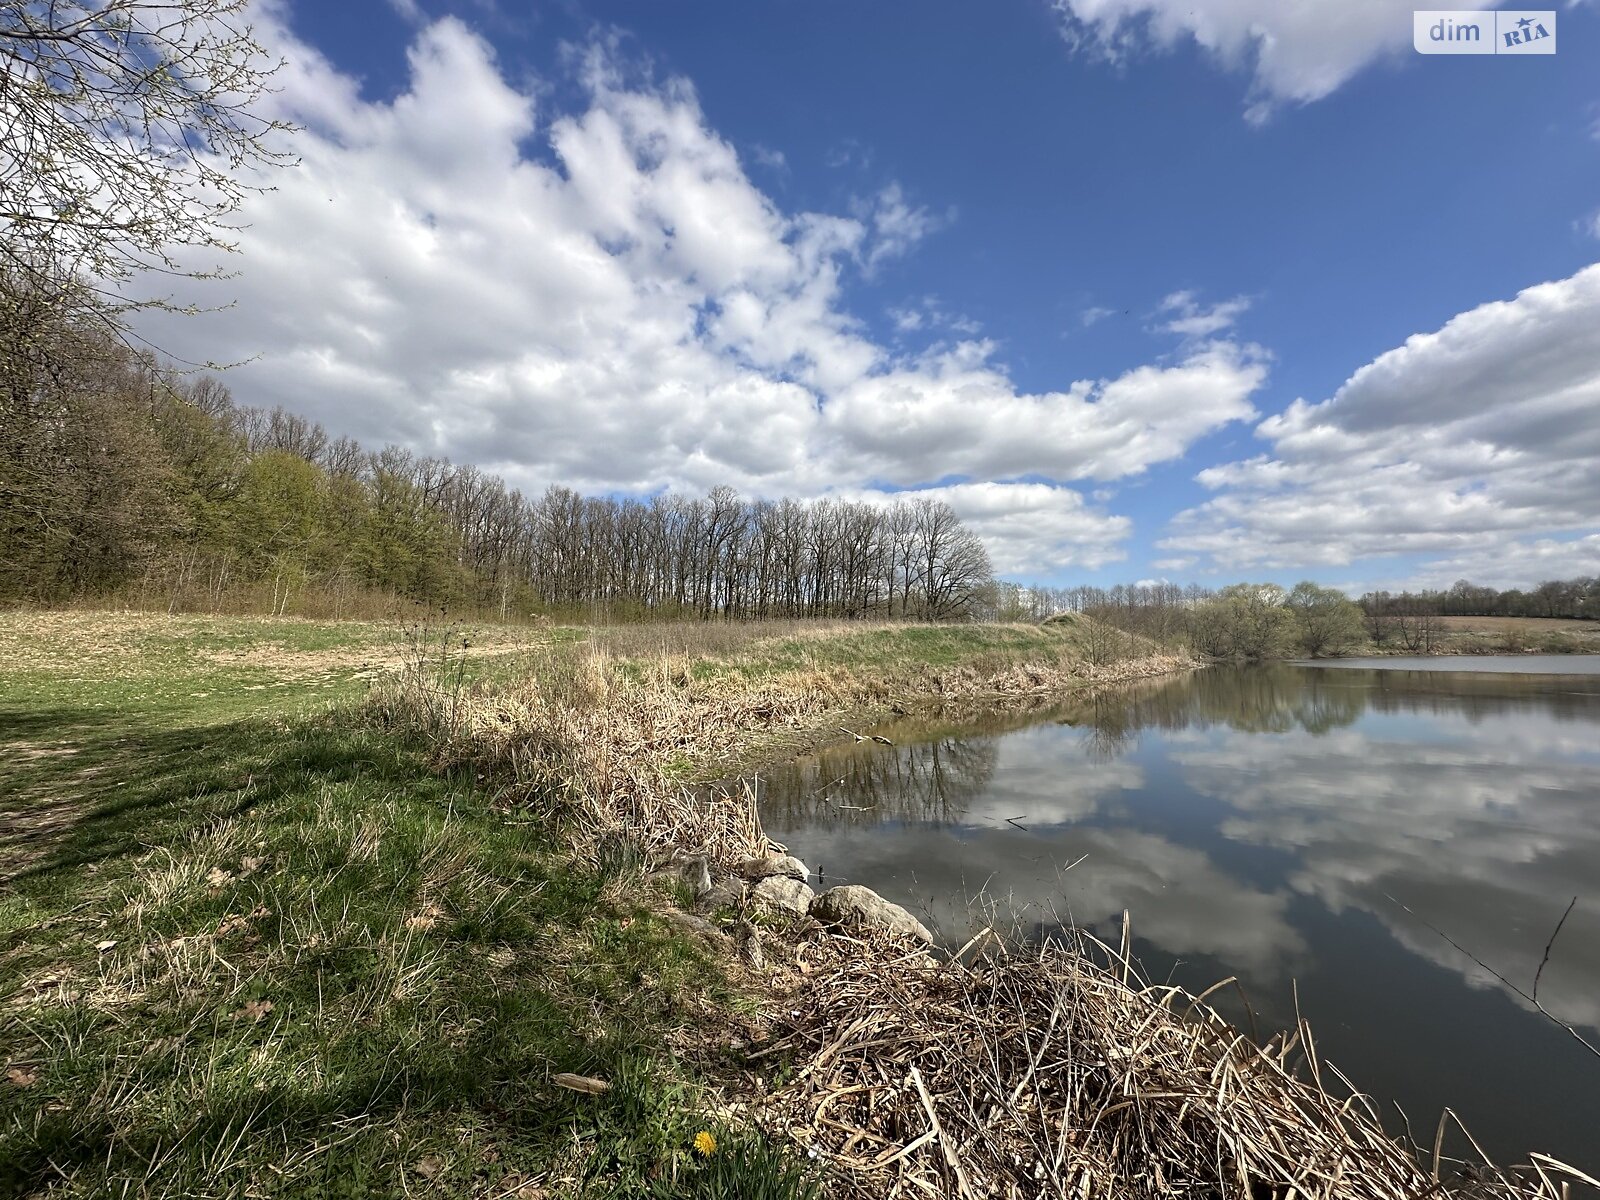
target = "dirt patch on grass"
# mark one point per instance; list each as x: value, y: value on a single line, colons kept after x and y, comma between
x: 33, y: 823
x: 28, y: 751
x: 294, y: 663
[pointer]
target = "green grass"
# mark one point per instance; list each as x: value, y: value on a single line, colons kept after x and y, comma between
x: 250, y: 946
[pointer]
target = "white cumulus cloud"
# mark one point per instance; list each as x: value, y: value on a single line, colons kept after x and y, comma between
x: 1478, y: 443
x: 599, y: 296
x: 1182, y: 313
x: 1295, y: 51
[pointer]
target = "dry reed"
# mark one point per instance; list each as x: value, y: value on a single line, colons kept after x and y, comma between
x: 1058, y: 1071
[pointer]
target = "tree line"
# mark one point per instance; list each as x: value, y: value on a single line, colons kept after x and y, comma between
x: 1265, y: 620
x: 1242, y: 620
x: 122, y: 479
x: 1577, y: 598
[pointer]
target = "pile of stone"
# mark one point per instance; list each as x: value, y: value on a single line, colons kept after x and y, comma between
x: 780, y: 883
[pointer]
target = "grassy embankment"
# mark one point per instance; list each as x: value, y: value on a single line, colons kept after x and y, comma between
x: 252, y: 943
x: 605, y: 738
x: 1510, y: 635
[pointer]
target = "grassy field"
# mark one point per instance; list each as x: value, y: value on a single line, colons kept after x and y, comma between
x: 251, y: 946
x: 1514, y: 635
x: 261, y: 936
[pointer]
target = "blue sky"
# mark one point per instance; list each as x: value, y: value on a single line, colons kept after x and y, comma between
x: 1069, y: 265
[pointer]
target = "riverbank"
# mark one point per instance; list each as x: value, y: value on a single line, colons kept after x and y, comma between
x: 626, y: 734
x: 252, y: 944
x: 296, y: 908
x: 1487, y: 636
x: 903, y: 1069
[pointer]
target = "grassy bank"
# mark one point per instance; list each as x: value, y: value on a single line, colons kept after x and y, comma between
x: 252, y: 944
x: 1052, y: 1070
x: 302, y: 909
x: 1509, y: 635
x: 613, y: 737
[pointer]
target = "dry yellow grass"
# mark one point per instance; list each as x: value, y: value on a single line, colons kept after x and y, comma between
x: 1522, y: 624
x: 608, y: 734
x: 1058, y: 1071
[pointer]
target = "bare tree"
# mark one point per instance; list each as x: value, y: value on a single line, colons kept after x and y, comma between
x: 128, y: 131
x: 1417, y: 622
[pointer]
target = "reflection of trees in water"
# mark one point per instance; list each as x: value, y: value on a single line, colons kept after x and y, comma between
x: 1112, y: 730
x: 1273, y: 698
x: 1269, y: 698
x: 1478, y: 696
x: 932, y: 783
x: 1280, y: 698
x: 942, y: 764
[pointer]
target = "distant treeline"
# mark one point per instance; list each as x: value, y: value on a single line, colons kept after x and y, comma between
x: 1242, y: 620
x: 123, y: 481
x: 1264, y: 620
x: 1578, y: 599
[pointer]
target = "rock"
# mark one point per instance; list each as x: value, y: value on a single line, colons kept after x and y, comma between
x: 784, y: 894
x: 755, y: 869
x: 729, y: 893
x: 862, y: 909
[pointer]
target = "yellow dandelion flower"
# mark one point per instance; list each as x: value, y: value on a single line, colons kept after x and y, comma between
x: 705, y: 1144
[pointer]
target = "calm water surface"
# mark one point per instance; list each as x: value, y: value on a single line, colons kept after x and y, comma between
x: 1270, y: 822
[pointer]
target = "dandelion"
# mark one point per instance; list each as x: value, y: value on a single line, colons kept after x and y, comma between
x: 705, y: 1145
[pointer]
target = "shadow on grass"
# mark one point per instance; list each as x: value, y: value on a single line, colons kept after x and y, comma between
x: 80, y: 788
x: 376, y: 1010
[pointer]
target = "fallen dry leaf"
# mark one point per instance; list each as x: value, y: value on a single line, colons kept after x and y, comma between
x: 581, y: 1083
x: 430, y: 1166
x: 21, y: 1076
x: 254, y: 1011
x: 108, y: 944
x: 217, y: 878
x: 238, y: 921
x: 426, y: 919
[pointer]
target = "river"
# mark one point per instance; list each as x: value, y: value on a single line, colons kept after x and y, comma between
x: 1328, y: 827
